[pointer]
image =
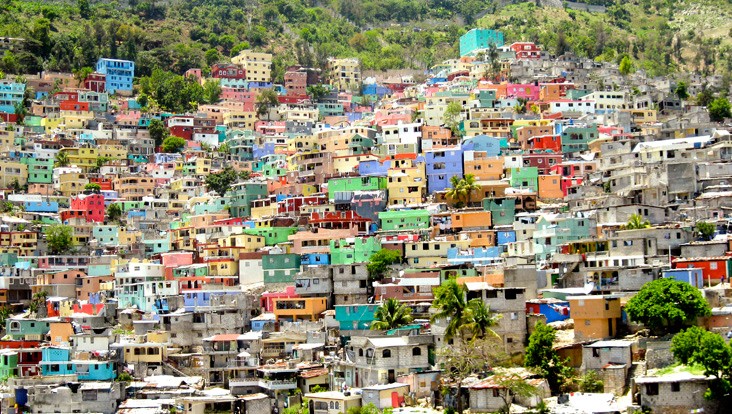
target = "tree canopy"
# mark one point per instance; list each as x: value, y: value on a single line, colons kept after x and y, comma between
x: 60, y: 238
x: 221, y: 181
x: 667, y: 305
x: 380, y: 261
x: 158, y: 131
x: 719, y: 109
x: 173, y: 144
x: 541, y: 356
x: 468, y: 319
x: 698, y: 346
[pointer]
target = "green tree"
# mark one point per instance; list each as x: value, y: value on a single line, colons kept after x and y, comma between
x: 100, y: 161
x: 626, y: 66
x: 317, y: 92
x: 719, y: 109
x: 173, y: 144
x: 457, y: 191
x: 84, y: 8
x: 93, y: 187
x: 479, y: 320
x: 82, y: 74
x: 380, y: 261
x: 4, y: 315
x: 705, y: 97
x: 452, y: 117
x: 541, y: 356
x: 470, y: 186
x: 114, y: 212
x: 222, y: 180
x: 391, y: 314
x: 511, y: 385
x: 468, y: 319
x: 61, y: 159
x: 698, y: 346
x: 705, y: 229
x: 682, y: 90
x: 158, y: 131
x: 591, y: 382
x: 60, y: 238
x: 266, y: 99
x: 211, y: 91
x: 666, y: 305
x: 636, y: 222
x: 212, y: 56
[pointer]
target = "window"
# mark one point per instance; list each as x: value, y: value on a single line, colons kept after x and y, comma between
x: 386, y: 353
x: 712, y: 266
x: 675, y: 387
x: 651, y: 389
x: 416, y: 351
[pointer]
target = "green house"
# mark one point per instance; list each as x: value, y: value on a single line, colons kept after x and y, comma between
x: 577, y: 138
x: 351, y: 184
x: 487, y: 98
x: 525, y: 177
x: 241, y: 196
x: 359, y: 251
x: 26, y: 328
x: 8, y: 363
x: 40, y: 171
x: 503, y: 210
x: 272, y: 235
x: 280, y: 268
x: 404, y: 220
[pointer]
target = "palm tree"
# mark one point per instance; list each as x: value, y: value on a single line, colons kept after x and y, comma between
x: 480, y: 319
x: 457, y: 191
x: 470, y: 186
x: 636, y: 222
x: 470, y: 319
x: 451, y: 305
x: 61, y: 160
x: 391, y: 314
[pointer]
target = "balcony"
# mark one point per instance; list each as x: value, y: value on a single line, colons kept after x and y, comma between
x: 244, y: 382
x: 287, y: 384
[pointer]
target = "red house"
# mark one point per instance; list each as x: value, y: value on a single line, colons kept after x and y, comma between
x: 546, y: 142
x: 91, y: 204
x: 543, y: 161
x: 96, y: 82
x: 228, y: 71
x: 340, y: 220
x: 526, y: 50
x: 713, y: 268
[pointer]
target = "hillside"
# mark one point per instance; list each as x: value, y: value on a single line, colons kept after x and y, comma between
x: 661, y: 36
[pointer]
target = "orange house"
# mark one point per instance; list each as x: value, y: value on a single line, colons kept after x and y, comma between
x: 713, y: 268
x: 480, y: 238
x: 595, y: 317
x: 470, y: 220
x: 550, y: 187
x: 294, y: 309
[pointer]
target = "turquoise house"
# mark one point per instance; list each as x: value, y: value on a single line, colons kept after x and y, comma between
x: 280, y: 268
x: 56, y: 361
x: 106, y: 235
x: 503, y: 210
x: 355, y: 317
x: 525, y: 177
x: 26, y: 328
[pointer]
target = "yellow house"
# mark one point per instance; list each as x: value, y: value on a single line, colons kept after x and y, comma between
x: 345, y: 164
x: 303, y: 143
x: 145, y: 352
x: 50, y: 124
x: 198, y: 166
x: 7, y: 140
x: 11, y: 172
x: 432, y: 252
x: 595, y: 317
x: 240, y: 120
x: 257, y: 64
x: 75, y: 119
x: 84, y: 157
x: 294, y: 309
x: 113, y: 152
x: 407, y: 184
x: 242, y: 243
x: 261, y: 210
x: 72, y: 184
x: 223, y: 267
x: 344, y: 74
x: 25, y: 241
x: 129, y: 237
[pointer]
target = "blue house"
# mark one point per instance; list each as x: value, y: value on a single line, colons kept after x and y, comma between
x: 375, y: 89
x: 315, y: 259
x: 491, y: 145
x: 441, y: 166
x: 692, y: 276
x: 56, y: 361
x: 374, y: 168
x: 554, y: 309
x: 11, y: 93
x: 205, y: 298
x: 505, y: 237
x: 41, y: 206
x: 119, y: 74
x: 478, y: 256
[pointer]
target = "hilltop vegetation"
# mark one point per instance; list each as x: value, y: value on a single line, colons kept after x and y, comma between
x: 660, y: 36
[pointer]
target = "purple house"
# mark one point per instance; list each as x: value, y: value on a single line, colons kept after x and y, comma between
x: 441, y: 165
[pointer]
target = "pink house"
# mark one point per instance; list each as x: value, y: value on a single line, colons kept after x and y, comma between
x: 525, y: 91
x: 268, y: 298
x: 172, y: 260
